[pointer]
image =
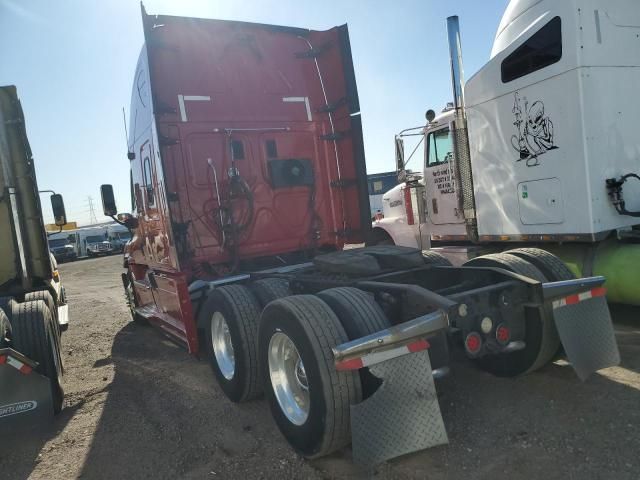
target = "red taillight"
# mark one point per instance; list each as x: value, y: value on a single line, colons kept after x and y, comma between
x: 473, y: 343
x: 503, y: 335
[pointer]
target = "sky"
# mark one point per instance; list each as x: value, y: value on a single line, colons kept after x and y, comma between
x: 73, y: 63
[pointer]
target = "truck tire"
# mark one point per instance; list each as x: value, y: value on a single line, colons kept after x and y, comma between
x: 379, y: 237
x: 46, y: 297
x: 310, y: 400
x: 34, y: 336
x: 359, y: 315
x: 551, y: 266
x: 5, y: 330
x: 541, y: 337
x: 269, y: 289
x: 435, y: 258
x: 6, y: 304
x: 130, y: 298
x: 230, y: 315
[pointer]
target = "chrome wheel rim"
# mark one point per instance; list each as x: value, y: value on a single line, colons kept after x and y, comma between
x: 222, y: 346
x: 289, y: 378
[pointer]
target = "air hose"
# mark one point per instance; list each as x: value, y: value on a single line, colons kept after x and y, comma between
x: 614, y: 186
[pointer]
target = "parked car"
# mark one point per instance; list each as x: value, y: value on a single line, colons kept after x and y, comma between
x: 119, y: 240
x: 98, y: 245
x: 62, y: 249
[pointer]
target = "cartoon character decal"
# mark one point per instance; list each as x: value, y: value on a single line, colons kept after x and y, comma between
x: 535, y: 131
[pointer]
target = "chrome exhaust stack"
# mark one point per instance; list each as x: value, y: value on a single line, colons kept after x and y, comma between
x: 455, y: 54
x: 462, y: 163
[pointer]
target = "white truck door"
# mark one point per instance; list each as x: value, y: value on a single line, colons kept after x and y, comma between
x: 442, y: 203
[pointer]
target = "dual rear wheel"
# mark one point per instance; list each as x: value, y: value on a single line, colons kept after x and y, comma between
x: 230, y: 317
x: 262, y: 339
x: 32, y: 332
x: 285, y: 351
x: 542, y: 342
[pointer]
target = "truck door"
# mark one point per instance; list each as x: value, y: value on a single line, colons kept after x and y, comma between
x: 442, y: 203
x: 146, y: 194
x: 149, y: 199
x: 156, y: 247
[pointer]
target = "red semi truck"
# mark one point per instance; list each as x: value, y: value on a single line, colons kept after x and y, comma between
x: 248, y: 178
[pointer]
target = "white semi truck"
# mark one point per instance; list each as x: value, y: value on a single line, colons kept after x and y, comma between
x: 539, y: 149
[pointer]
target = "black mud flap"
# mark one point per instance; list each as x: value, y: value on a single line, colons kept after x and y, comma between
x: 587, y: 334
x: 402, y: 416
x: 25, y: 395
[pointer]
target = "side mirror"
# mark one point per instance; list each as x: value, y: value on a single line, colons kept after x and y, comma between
x: 399, y: 155
x: 128, y: 220
x: 108, y: 200
x: 59, y: 214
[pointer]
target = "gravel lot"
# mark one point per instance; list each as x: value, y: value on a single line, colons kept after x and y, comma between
x: 139, y: 406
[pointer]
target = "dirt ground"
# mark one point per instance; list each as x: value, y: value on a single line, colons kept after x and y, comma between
x: 139, y: 406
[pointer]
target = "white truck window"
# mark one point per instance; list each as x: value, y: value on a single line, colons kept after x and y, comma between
x: 439, y: 147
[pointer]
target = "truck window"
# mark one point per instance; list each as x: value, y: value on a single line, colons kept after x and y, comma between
x: 542, y: 49
x: 439, y: 147
x: 133, y: 193
x: 272, y: 149
x: 148, y: 182
x: 237, y: 150
x: 58, y: 242
x: 95, y: 238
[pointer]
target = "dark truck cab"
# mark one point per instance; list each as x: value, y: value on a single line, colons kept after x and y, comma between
x: 248, y: 179
x: 33, y: 308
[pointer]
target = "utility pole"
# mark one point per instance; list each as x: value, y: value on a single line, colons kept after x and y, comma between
x: 92, y: 212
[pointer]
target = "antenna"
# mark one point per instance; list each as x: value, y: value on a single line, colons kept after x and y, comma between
x: 126, y: 134
x: 130, y: 155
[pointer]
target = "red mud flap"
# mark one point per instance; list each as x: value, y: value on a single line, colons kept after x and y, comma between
x: 584, y: 324
x: 25, y: 395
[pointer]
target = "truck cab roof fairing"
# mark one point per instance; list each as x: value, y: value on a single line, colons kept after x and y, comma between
x: 508, y: 30
x: 268, y: 94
